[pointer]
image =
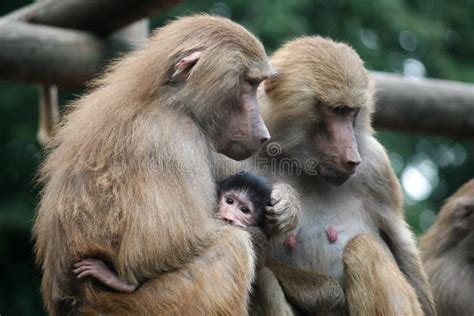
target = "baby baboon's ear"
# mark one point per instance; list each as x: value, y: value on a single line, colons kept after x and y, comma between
x: 184, y: 66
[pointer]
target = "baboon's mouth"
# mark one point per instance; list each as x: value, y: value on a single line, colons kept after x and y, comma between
x: 334, y: 176
x: 239, y: 150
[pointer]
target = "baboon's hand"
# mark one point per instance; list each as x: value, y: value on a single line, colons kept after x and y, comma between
x: 98, y: 269
x: 283, y: 213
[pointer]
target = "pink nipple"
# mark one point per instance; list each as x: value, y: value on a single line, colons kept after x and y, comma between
x: 291, y: 241
x: 331, y: 232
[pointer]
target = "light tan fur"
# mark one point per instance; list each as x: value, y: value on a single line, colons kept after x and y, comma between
x: 363, y: 256
x: 268, y: 298
x: 129, y: 179
x: 314, y: 69
x: 316, y: 74
x: 448, y: 254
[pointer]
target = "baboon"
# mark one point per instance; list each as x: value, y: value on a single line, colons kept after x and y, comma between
x: 318, y: 111
x: 129, y: 177
x: 243, y: 193
x: 242, y: 198
x: 241, y: 202
x: 447, y: 251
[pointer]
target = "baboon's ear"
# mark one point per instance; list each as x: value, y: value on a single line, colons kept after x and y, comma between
x: 184, y: 66
x: 463, y: 215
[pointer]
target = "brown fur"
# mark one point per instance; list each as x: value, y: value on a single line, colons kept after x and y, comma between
x: 129, y: 179
x: 268, y: 299
x: 317, y: 75
x: 448, y: 254
x: 322, y: 294
x: 364, y: 257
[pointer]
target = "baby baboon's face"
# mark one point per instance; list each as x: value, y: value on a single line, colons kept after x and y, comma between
x: 236, y: 208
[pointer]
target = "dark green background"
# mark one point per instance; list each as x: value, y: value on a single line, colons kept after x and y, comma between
x: 386, y: 33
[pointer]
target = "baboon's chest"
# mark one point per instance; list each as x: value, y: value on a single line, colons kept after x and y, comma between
x: 326, y: 225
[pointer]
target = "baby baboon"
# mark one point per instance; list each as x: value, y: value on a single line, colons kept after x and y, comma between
x: 242, y: 199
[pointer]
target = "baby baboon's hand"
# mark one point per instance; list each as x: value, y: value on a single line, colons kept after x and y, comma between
x: 282, y: 216
x: 98, y: 269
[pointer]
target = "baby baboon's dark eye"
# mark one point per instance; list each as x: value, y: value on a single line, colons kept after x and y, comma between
x: 229, y: 201
x: 245, y: 210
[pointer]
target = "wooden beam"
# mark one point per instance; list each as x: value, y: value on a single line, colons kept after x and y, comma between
x: 97, y: 16
x: 35, y: 53
x: 427, y: 106
x: 48, y: 113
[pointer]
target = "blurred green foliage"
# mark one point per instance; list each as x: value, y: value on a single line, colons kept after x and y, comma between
x: 390, y: 35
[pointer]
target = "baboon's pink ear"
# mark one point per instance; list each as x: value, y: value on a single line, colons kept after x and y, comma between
x: 184, y: 66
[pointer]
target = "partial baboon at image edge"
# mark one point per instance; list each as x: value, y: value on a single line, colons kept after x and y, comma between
x: 447, y: 250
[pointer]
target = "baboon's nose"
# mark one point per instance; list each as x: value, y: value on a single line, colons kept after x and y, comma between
x: 264, y: 139
x: 351, y: 164
x: 228, y: 219
x: 262, y: 133
x: 351, y: 160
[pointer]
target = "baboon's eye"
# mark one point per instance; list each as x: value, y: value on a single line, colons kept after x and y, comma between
x: 229, y: 201
x: 253, y: 82
x: 345, y: 110
x: 341, y: 109
x: 245, y: 210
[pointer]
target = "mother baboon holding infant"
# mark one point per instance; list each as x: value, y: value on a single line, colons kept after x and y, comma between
x: 129, y: 177
x: 352, y: 241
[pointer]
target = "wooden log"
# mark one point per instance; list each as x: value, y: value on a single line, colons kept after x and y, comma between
x: 48, y: 113
x: 64, y: 57
x: 100, y: 17
x: 35, y: 53
x: 427, y: 106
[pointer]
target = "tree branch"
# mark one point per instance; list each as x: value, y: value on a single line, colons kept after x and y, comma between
x: 437, y: 107
x: 100, y: 17
x: 37, y: 53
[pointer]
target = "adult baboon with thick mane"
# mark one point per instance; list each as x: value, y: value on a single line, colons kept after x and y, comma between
x: 318, y: 111
x: 129, y: 177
